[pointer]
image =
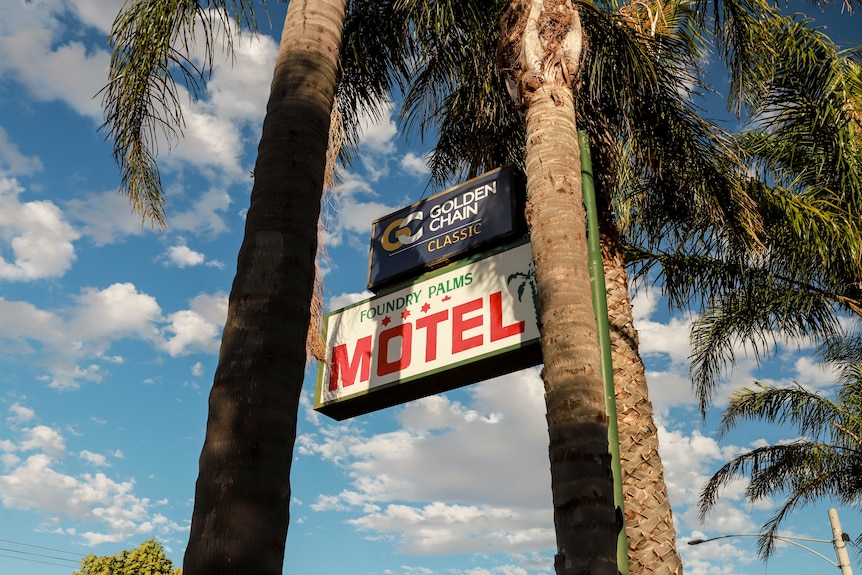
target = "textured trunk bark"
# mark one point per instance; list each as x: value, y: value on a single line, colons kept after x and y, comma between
x: 240, y: 519
x: 541, y: 46
x: 649, y: 520
x: 581, y: 481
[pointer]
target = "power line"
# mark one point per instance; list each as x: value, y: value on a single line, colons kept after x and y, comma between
x: 36, y: 561
x: 38, y: 555
x: 40, y: 547
x: 34, y: 557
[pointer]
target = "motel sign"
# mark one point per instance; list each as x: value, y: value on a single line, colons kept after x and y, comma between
x: 470, y: 321
x: 477, y: 214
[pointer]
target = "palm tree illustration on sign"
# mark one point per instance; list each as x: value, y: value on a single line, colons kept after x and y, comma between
x: 527, y: 278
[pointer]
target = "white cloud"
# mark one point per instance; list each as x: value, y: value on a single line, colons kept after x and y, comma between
x: 205, y: 215
x: 89, y: 498
x: 350, y: 214
x: 345, y: 299
x: 414, y: 165
x: 814, y: 376
x: 43, y: 438
x: 97, y: 13
x: 106, y: 217
x: 119, y: 310
x: 671, y: 338
x: 20, y: 413
x: 96, y: 459
x: 182, y: 256
x: 714, y: 558
x: 198, y: 328
x: 446, y: 528
x: 13, y: 162
x: 198, y: 369
x: 191, y: 332
x: 377, y: 135
x: 97, y: 319
x: 484, y: 457
x: 56, y: 51
x: 107, y: 509
x: 37, y: 234
x: 71, y: 72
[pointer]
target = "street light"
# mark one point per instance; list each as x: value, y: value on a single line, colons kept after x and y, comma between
x: 838, y: 541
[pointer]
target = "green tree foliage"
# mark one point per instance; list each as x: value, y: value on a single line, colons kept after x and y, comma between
x: 806, y: 151
x: 147, y: 559
x: 663, y: 173
x: 824, y: 463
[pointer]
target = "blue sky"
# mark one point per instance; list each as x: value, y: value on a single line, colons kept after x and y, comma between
x: 109, y: 334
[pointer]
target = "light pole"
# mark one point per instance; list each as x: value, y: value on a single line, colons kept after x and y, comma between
x: 838, y: 541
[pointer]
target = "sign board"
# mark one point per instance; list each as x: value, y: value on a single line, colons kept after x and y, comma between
x: 470, y: 321
x: 443, y: 226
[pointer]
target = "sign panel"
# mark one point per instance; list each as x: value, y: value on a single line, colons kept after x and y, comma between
x: 465, y: 323
x: 448, y: 224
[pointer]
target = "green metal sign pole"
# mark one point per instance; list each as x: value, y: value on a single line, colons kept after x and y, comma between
x: 600, y: 307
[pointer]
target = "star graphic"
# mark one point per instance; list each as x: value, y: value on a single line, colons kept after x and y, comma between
x: 386, y: 321
x: 447, y: 298
x: 405, y: 314
x: 425, y: 307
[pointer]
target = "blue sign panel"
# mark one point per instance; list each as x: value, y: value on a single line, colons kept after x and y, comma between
x: 442, y: 227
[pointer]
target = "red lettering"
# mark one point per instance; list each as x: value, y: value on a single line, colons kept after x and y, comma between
x: 498, y: 330
x: 430, y: 322
x: 460, y: 325
x: 346, y: 369
x: 384, y: 365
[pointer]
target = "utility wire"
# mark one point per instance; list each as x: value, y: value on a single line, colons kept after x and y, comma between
x: 36, y: 561
x: 39, y: 555
x: 40, y: 547
x: 33, y: 557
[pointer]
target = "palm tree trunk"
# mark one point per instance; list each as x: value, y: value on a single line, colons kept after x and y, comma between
x: 649, y: 520
x: 540, y: 48
x: 240, y: 518
x: 581, y: 481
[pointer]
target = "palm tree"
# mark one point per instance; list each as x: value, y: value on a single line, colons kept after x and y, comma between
x: 242, y: 493
x: 661, y: 171
x: 810, y: 148
x: 807, y: 155
x: 824, y: 463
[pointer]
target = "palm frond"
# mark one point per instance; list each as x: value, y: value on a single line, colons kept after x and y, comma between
x: 376, y: 54
x: 153, y: 47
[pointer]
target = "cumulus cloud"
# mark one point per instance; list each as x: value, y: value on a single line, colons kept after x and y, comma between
x: 37, y: 234
x: 105, y: 217
x: 96, y: 459
x: 89, y: 498
x: 197, y: 328
x: 198, y: 369
x: 485, y: 457
x: 51, y: 69
x: 43, y: 438
x: 13, y: 162
x: 414, y: 165
x: 20, y: 413
x: 56, y: 52
x: 377, y: 147
x: 204, y: 215
x: 345, y: 299
x: 97, y: 318
x: 106, y: 509
x: 352, y: 211
x: 182, y: 256
x: 119, y: 310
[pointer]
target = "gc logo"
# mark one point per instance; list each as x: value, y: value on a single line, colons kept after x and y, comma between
x: 398, y: 233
